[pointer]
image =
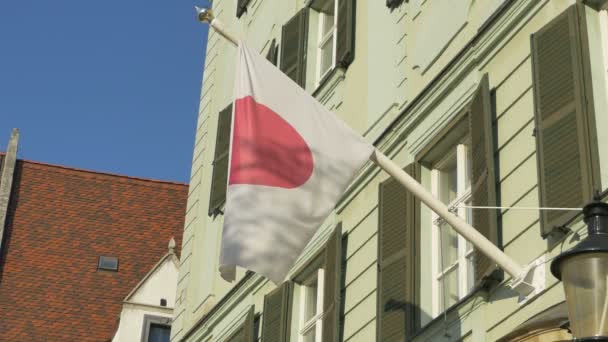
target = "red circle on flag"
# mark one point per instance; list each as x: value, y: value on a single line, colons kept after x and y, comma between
x: 266, y: 149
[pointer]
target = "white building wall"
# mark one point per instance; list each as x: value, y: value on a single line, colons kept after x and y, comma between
x: 385, y: 78
x: 145, y: 300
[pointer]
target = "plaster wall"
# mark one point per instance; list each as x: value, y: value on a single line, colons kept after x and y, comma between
x: 386, y: 78
x: 132, y: 320
x: 145, y: 300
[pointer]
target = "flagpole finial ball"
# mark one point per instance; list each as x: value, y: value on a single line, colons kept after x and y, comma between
x: 204, y: 15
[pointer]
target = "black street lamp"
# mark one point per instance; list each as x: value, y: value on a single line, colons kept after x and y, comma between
x: 584, y: 272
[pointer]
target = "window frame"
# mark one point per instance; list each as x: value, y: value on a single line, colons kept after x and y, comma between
x: 316, y: 321
x: 322, y: 41
x: 455, y: 132
x: 149, y: 320
x: 465, y: 250
x: 100, y: 268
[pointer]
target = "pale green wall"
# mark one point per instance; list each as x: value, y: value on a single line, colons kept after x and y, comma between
x: 379, y: 84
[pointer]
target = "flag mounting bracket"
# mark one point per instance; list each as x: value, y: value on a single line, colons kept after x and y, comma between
x: 526, y: 281
x: 205, y: 15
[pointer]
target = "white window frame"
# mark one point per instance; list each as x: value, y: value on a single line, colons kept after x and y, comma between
x: 316, y: 321
x: 463, y: 195
x: 323, y: 40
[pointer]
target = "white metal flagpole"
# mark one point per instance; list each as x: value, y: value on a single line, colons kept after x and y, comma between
x: 461, y: 226
x: 520, y: 282
x: 205, y: 15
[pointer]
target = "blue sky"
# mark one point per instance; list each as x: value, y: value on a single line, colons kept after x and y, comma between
x: 104, y: 85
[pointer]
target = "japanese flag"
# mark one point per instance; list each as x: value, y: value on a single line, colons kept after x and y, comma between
x: 290, y: 161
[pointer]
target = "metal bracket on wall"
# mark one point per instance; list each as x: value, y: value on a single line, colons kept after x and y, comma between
x: 532, y: 282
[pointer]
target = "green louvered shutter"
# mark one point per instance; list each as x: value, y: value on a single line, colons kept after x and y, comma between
x: 241, y: 7
x: 392, y: 4
x: 273, y: 52
x: 293, y: 47
x: 276, y: 319
x: 219, y: 178
x: 345, y: 40
x: 244, y: 333
x: 483, y: 177
x: 237, y: 336
x: 397, y: 230
x: 566, y: 154
x: 332, y: 286
x: 249, y: 326
x: 597, y: 5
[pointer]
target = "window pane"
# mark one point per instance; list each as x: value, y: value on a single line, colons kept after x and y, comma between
x: 328, y: 24
x: 448, y: 182
x: 467, y: 171
x: 108, y: 263
x: 310, y: 335
x: 311, y: 300
x: 449, y: 246
x: 469, y: 220
x: 327, y: 55
x: 448, y: 285
x: 159, y: 333
x: 470, y: 272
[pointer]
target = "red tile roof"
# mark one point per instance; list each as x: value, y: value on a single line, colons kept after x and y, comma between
x: 60, y: 220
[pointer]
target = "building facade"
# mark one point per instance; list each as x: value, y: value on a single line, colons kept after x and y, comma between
x: 147, y: 310
x: 498, y: 103
x: 79, y: 247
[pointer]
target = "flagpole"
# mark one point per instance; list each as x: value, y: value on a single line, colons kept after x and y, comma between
x: 205, y: 15
x: 461, y: 226
x: 521, y: 282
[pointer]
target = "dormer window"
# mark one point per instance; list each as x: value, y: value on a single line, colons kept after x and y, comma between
x: 107, y: 263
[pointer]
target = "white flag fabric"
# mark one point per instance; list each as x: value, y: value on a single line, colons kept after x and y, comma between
x: 290, y: 161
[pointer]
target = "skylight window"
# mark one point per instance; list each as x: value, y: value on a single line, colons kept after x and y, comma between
x: 107, y: 263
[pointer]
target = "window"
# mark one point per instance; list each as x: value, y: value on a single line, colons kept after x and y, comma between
x: 156, y: 329
x: 316, y: 40
x: 311, y: 308
x: 424, y: 266
x: 107, y: 263
x: 453, y: 256
x: 326, y: 40
x: 308, y: 308
x: 159, y: 333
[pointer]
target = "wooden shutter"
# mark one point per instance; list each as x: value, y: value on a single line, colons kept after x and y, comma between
x: 219, y: 177
x: 392, y: 4
x: 597, y: 5
x: 241, y: 7
x: 483, y: 176
x: 293, y: 47
x: 332, y: 286
x: 276, y: 319
x: 397, y: 232
x: 249, y: 326
x: 273, y: 52
x: 345, y: 46
x: 565, y: 144
x: 245, y: 331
